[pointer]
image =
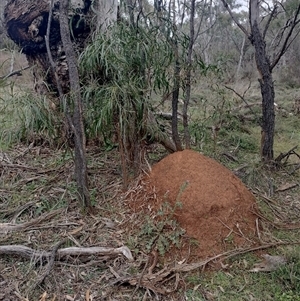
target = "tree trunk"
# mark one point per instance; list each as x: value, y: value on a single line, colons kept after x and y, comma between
x: 75, y: 96
x: 106, y: 11
x: 187, y: 137
x: 266, y: 84
x: 175, y: 96
x: 238, y: 69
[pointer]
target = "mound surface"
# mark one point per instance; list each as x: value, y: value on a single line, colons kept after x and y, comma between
x: 217, y: 209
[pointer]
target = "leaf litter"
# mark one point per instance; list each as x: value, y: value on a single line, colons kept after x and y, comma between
x: 39, y: 211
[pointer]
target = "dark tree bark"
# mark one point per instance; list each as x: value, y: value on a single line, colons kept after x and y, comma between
x: 265, y: 67
x: 267, y: 92
x: 28, y: 25
x: 175, y: 96
x: 77, y: 118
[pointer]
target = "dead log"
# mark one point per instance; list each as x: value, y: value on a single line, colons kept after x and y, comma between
x: 65, y: 253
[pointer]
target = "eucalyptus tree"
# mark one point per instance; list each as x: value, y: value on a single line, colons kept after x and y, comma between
x: 260, y: 20
x: 46, y: 34
x: 122, y: 69
x: 75, y: 119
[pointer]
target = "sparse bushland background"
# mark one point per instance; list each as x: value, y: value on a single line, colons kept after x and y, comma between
x: 224, y: 114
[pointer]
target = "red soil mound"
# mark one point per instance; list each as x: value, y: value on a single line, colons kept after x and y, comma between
x: 217, y: 209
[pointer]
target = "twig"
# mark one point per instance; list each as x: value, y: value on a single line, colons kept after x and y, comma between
x: 48, y: 268
x: 150, y: 269
x: 151, y: 281
x: 24, y: 152
x: 15, y: 212
x: 243, y: 99
x: 287, y: 154
x: 9, y: 227
x: 257, y: 230
x: 18, y: 166
x: 294, y: 169
x: 15, y: 72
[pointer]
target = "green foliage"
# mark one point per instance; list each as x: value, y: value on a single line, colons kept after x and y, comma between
x: 287, y: 296
x: 122, y: 69
x: 163, y: 232
x: 289, y: 275
x: 241, y: 140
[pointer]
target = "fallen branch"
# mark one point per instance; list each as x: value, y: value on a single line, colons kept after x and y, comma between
x: 30, y: 253
x: 15, y: 72
x: 287, y: 154
x: 9, y: 227
x: 151, y: 281
x: 247, y: 105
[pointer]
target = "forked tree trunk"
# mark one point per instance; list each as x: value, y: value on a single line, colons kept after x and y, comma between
x: 265, y: 67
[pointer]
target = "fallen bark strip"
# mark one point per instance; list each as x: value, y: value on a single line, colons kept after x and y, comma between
x: 9, y: 227
x: 30, y: 253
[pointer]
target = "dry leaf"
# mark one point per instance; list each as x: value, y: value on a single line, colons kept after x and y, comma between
x: 43, y: 296
x: 75, y: 231
x: 87, y: 295
x: 286, y: 186
x: 270, y: 263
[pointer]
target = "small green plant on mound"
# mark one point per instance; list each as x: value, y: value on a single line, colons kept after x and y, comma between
x: 161, y: 232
